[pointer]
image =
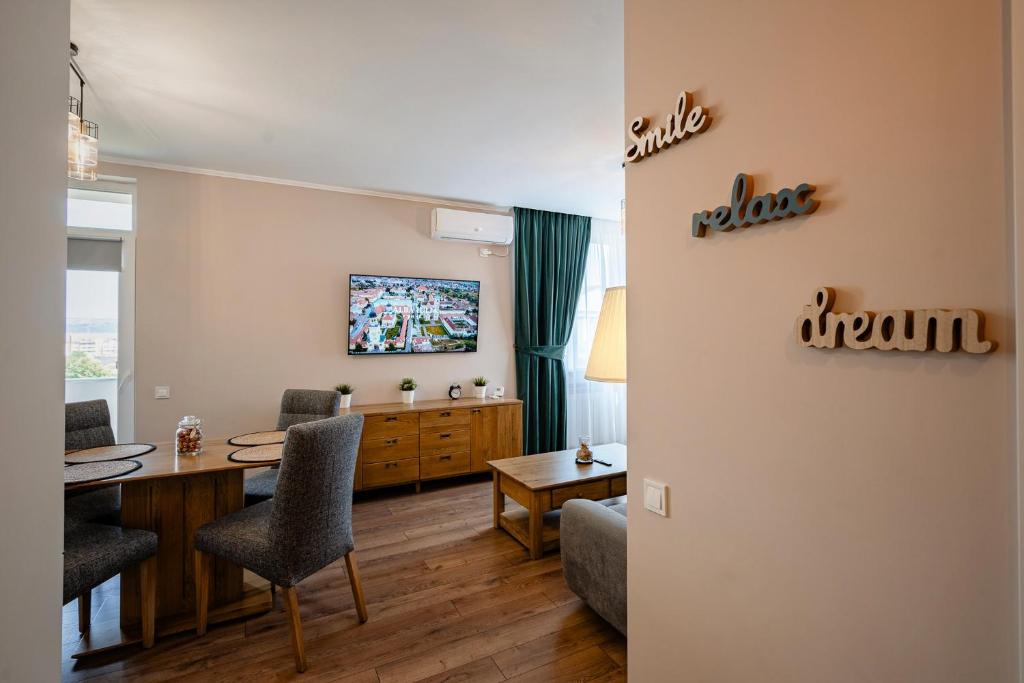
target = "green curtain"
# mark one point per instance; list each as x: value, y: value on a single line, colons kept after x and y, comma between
x: 550, y: 259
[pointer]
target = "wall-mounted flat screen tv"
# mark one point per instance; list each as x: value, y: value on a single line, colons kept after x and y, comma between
x: 388, y: 315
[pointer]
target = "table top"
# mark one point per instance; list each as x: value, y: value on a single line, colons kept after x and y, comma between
x: 369, y: 409
x: 164, y: 463
x: 551, y: 470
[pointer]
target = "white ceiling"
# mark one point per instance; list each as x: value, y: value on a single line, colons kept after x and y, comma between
x: 508, y: 102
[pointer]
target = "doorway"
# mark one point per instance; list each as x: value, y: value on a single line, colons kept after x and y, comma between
x: 99, y: 336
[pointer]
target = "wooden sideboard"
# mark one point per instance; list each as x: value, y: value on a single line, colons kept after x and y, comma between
x: 405, y: 444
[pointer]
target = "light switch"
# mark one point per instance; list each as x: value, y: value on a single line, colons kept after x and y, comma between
x: 654, y: 497
x: 162, y: 392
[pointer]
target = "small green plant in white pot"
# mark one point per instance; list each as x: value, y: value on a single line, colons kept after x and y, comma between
x: 408, y: 388
x: 346, y: 391
x: 479, y: 387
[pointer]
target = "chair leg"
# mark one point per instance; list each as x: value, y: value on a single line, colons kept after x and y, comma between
x: 203, y: 562
x: 291, y: 601
x: 357, y: 586
x: 84, y: 611
x: 148, y: 578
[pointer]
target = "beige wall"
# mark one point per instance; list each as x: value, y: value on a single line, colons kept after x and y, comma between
x: 33, y: 88
x: 242, y: 291
x: 835, y: 515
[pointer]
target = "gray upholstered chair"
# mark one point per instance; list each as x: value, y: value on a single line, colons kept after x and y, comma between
x: 306, y: 526
x: 593, y: 547
x: 307, y: 405
x: 87, y: 425
x: 297, y: 406
x: 94, y: 553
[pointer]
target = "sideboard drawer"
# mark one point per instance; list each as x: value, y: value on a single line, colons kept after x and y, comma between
x: 618, y: 487
x: 447, y: 419
x: 594, y: 490
x: 393, y: 472
x: 444, y: 465
x: 448, y: 441
x: 383, y: 426
x: 391, y: 448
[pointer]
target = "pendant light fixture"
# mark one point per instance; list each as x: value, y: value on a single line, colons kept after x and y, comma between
x: 83, y: 135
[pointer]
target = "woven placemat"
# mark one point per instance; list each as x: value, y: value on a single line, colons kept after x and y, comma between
x: 270, y: 452
x: 257, y: 439
x: 95, y: 471
x: 120, y: 451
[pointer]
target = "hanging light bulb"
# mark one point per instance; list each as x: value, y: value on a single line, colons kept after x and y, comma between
x: 83, y: 135
x: 74, y: 129
x: 87, y: 153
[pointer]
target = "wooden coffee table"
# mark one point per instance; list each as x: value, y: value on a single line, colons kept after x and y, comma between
x: 542, y: 483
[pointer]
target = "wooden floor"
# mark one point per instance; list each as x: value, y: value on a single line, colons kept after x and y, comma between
x: 450, y: 599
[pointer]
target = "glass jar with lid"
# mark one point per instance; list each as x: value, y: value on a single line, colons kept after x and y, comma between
x: 584, y: 454
x: 188, y: 440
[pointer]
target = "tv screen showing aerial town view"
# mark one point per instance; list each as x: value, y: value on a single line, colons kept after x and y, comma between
x: 411, y: 315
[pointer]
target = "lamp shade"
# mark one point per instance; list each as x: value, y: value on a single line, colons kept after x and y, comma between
x: 608, y: 354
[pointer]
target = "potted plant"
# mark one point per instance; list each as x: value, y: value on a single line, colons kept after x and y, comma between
x: 408, y: 387
x: 479, y: 387
x: 346, y: 391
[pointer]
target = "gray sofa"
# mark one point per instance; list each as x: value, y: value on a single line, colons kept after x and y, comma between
x: 593, y: 541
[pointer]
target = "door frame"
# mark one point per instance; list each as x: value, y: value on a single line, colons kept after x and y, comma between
x: 125, y: 298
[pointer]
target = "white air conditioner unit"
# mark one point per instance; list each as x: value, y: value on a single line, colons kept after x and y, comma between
x: 470, y: 226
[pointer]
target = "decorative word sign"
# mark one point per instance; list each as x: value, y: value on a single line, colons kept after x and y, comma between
x: 743, y: 211
x: 920, y: 330
x: 685, y: 121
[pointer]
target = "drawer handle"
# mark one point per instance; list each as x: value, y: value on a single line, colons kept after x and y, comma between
x: 392, y: 418
x: 389, y: 465
x: 391, y: 442
x: 446, y: 435
x: 476, y: 410
x: 446, y: 413
x: 446, y: 457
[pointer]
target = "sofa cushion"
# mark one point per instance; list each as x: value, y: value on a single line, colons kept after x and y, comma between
x: 593, y: 543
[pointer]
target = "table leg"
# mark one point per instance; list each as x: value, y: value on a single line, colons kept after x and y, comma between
x: 536, y: 527
x: 499, y: 500
x: 174, y: 507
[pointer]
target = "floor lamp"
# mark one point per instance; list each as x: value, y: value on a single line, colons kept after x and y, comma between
x: 608, y: 354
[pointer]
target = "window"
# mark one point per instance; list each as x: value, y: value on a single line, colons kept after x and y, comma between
x: 99, y: 209
x: 595, y: 409
x: 99, y: 320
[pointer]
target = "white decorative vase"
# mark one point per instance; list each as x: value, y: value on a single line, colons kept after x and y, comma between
x: 480, y: 392
x: 408, y: 396
x: 346, y: 400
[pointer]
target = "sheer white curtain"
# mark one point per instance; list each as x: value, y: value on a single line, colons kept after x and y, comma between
x: 595, y: 409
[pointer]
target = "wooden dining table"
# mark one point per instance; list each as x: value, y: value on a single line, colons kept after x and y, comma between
x: 173, y: 496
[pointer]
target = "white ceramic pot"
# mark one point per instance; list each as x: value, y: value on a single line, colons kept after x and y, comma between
x: 408, y: 396
x: 346, y: 400
x: 479, y: 392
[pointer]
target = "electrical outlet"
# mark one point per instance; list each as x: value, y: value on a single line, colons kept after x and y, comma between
x: 162, y: 392
x: 656, y: 497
